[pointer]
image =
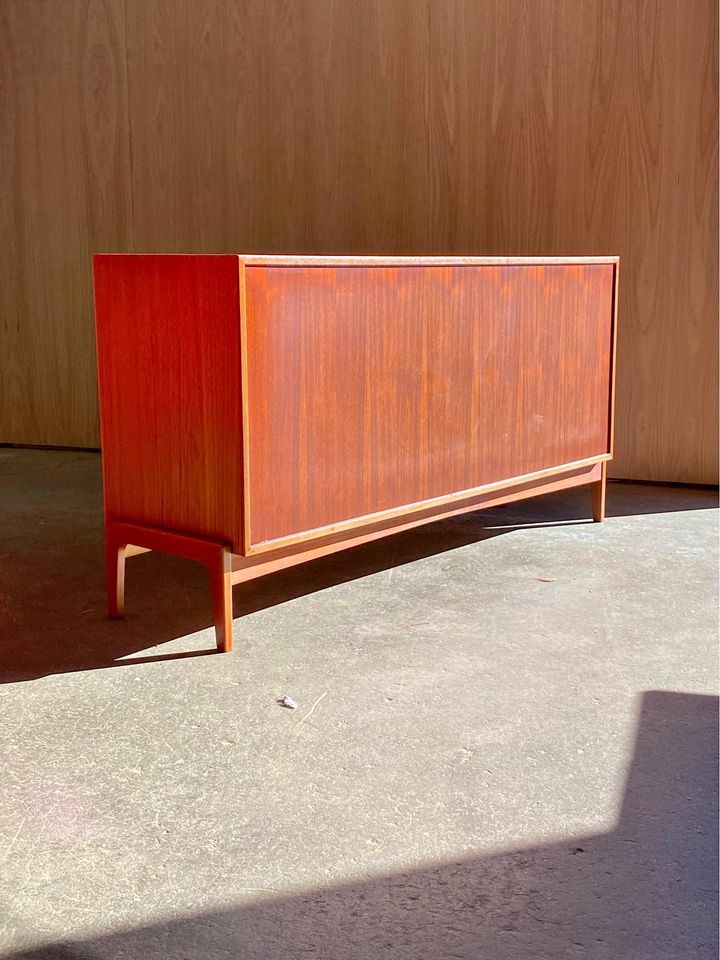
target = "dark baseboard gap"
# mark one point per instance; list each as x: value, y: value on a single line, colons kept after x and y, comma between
x: 48, y: 446
x: 683, y: 485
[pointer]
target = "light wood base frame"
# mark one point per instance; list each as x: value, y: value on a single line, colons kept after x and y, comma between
x: 125, y: 539
x: 598, y: 495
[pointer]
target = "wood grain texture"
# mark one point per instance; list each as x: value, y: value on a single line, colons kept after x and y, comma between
x: 537, y: 127
x: 264, y: 412
x: 373, y: 387
x: 123, y: 539
x: 168, y: 333
x: 249, y: 567
x: 598, y: 494
x: 64, y: 191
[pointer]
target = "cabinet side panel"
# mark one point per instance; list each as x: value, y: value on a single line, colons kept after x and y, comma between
x: 168, y: 336
x: 375, y: 387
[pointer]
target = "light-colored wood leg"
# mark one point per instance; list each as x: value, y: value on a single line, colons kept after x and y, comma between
x: 127, y: 539
x: 115, y: 568
x: 221, y: 584
x: 597, y: 491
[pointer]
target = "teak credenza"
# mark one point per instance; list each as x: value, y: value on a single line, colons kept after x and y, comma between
x: 259, y: 411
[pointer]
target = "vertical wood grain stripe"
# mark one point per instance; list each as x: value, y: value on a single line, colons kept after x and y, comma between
x: 371, y: 387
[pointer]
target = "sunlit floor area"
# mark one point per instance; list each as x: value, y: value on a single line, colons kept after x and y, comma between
x: 503, y: 746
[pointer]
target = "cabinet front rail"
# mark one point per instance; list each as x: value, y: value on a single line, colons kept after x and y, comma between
x: 126, y: 539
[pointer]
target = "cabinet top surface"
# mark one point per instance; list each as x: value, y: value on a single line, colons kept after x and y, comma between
x: 298, y: 260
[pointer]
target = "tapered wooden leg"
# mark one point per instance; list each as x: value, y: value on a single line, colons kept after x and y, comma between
x: 221, y: 585
x: 598, y: 495
x: 127, y: 539
x: 115, y: 568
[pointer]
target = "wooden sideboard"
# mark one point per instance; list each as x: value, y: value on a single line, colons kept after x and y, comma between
x: 260, y: 411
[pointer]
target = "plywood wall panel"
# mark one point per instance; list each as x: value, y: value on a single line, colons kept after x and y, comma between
x: 307, y: 116
x: 64, y: 191
x: 416, y: 126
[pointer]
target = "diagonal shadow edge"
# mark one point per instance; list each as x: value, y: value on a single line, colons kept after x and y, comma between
x: 647, y: 889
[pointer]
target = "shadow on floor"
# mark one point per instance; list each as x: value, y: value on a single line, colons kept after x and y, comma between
x: 644, y: 890
x: 52, y: 595
x: 57, y: 607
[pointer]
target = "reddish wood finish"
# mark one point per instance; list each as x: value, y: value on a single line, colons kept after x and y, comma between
x: 225, y: 569
x: 216, y: 557
x: 258, y: 412
x: 371, y: 387
x: 115, y: 555
x: 598, y: 490
x: 300, y: 260
x: 248, y: 568
x: 169, y: 372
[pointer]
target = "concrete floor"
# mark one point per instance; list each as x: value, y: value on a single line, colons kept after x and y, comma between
x: 495, y: 767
